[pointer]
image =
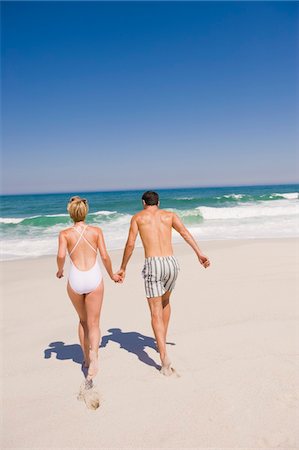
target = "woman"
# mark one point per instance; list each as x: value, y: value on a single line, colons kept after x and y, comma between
x: 85, y: 284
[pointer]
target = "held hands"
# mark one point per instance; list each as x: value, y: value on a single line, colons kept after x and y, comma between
x: 121, y: 273
x: 59, y: 273
x: 204, y: 260
x: 117, y: 278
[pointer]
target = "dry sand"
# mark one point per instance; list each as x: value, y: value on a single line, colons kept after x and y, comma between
x: 235, y: 330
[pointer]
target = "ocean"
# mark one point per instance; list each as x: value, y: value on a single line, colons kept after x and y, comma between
x: 30, y: 223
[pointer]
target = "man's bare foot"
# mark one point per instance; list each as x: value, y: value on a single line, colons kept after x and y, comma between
x: 93, y: 365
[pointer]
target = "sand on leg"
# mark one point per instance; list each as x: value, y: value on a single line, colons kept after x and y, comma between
x: 93, y: 305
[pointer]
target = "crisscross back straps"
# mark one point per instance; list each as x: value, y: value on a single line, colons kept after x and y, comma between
x: 81, y: 236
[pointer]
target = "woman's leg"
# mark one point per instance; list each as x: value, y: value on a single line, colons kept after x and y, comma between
x: 79, y: 305
x: 83, y: 336
x: 93, y: 305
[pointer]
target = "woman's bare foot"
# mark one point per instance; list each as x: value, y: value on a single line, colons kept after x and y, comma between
x: 166, y: 367
x: 167, y: 370
x: 93, y: 365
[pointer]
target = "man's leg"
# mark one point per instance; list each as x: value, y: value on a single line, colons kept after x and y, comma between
x: 155, y: 305
x: 166, y: 311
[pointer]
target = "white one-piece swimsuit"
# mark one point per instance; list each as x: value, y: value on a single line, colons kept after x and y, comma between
x: 84, y: 281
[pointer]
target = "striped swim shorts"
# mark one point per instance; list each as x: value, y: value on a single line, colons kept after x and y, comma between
x: 160, y: 274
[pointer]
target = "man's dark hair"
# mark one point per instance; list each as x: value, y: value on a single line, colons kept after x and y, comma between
x: 150, y: 198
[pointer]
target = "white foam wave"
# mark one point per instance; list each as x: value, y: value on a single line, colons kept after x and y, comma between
x: 272, y: 227
x: 236, y: 196
x: 247, y: 211
x: 10, y: 220
x: 49, y: 215
x: 102, y: 213
x: 288, y: 195
x: 195, y: 212
x: 184, y: 198
x: 44, y: 242
x: 16, y: 220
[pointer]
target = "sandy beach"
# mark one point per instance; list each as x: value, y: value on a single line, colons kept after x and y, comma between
x: 233, y: 340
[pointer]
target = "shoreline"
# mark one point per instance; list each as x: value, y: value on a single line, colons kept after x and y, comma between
x: 177, y: 245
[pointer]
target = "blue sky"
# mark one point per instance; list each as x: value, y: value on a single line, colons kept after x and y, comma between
x: 148, y: 94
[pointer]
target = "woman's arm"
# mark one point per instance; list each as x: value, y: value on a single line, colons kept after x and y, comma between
x: 61, y: 253
x: 106, y: 258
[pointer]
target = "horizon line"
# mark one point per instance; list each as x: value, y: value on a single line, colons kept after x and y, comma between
x: 156, y: 189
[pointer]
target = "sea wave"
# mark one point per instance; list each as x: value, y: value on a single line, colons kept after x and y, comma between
x: 31, y: 219
x: 184, y: 198
x: 287, y: 195
x: 48, y: 220
x: 248, y: 211
x: 234, y: 196
x: 265, y: 209
x: 103, y: 213
x: 9, y: 220
x: 232, y: 215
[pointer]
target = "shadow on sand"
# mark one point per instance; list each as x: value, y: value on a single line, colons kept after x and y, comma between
x: 63, y: 351
x: 131, y: 341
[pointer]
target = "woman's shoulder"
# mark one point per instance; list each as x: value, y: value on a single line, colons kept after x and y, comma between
x: 66, y: 231
x: 95, y: 229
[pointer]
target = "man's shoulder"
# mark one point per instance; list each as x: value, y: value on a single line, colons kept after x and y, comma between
x: 139, y: 216
x: 166, y: 214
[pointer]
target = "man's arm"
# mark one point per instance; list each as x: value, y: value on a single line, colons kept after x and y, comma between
x: 130, y: 244
x: 105, y: 257
x: 178, y: 225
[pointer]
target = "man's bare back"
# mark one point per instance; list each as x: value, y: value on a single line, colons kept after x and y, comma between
x: 155, y: 229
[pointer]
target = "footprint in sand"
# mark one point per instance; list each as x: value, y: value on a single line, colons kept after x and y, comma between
x: 89, y: 395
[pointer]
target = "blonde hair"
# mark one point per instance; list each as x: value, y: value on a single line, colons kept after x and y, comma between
x: 77, y: 208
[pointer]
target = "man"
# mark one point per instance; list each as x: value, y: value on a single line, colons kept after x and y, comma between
x: 161, y: 267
